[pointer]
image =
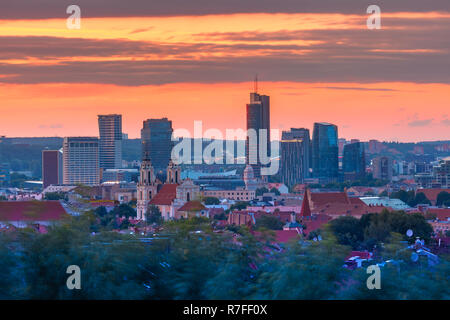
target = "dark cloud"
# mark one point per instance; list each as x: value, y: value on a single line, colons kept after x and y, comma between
x: 410, y: 54
x: 41, y: 9
x: 420, y: 123
x: 356, y: 88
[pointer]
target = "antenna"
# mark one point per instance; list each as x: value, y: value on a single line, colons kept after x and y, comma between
x: 256, y: 83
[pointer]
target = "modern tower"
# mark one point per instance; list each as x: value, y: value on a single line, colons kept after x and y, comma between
x: 258, y: 117
x: 52, y: 167
x: 303, y: 134
x: 157, y: 144
x: 81, y: 160
x: 325, y: 162
x: 295, y: 153
x: 110, y: 147
x: 354, y: 163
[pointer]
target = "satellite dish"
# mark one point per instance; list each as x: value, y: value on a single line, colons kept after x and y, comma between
x: 409, y: 233
x: 315, y: 239
x: 414, y: 257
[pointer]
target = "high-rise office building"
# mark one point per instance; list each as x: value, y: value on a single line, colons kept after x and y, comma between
x: 382, y: 168
x: 157, y: 144
x: 81, y: 160
x: 303, y: 134
x: 52, y: 167
x: 354, y: 164
x: 258, y: 117
x: 325, y: 151
x: 110, y: 146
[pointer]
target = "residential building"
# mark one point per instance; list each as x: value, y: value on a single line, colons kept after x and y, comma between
x: 238, y: 194
x: 382, y: 168
x: 5, y: 176
x: 81, y: 160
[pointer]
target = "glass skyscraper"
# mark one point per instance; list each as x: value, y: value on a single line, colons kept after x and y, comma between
x: 354, y: 163
x: 157, y: 144
x: 258, y: 117
x: 110, y: 147
x: 325, y: 151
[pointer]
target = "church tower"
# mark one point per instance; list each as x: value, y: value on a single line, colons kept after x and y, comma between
x: 146, y: 188
x: 173, y: 173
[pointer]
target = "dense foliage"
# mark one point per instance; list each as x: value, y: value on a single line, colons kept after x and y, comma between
x: 186, y: 259
x: 373, y: 229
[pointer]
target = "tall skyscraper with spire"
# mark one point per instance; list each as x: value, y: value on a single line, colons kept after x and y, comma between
x: 258, y: 117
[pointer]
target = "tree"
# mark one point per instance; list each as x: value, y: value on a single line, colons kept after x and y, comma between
x: 420, y: 198
x: 153, y: 215
x: 269, y: 222
x: 348, y: 231
x: 124, y: 210
x: 383, y: 194
x: 275, y: 190
x: 55, y: 196
x: 261, y: 191
x: 240, y: 205
x: 443, y: 199
x: 211, y: 201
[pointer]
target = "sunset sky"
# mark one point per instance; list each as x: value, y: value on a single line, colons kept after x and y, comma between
x: 195, y: 60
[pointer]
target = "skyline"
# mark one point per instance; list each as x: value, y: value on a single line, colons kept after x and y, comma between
x: 318, y: 63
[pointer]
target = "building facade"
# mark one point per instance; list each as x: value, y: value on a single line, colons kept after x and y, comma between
x: 325, y: 151
x: 354, y: 162
x: 258, y: 118
x: 110, y: 146
x: 147, y: 188
x: 294, y: 157
x: 382, y: 168
x: 156, y: 136
x: 81, y: 160
x: 52, y: 168
x: 238, y: 195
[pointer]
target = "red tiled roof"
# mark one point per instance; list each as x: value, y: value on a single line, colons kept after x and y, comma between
x: 432, y: 194
x: 441, y: 213
x: 315, y: 222
x: 354, y: 200
x: 31, y: 211
x: 166, y: 195
x: 215, y: 211
x: 192, y: 206
x: 282, y: 236
x: 342, y: 209
x: 321, y: 198
x: 360, y: 254
x: 306, y: 210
